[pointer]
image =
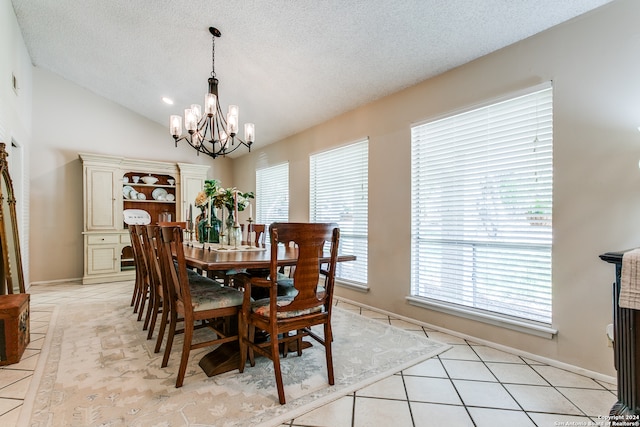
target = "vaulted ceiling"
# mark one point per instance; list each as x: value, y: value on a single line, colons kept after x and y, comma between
x: 288, y: 64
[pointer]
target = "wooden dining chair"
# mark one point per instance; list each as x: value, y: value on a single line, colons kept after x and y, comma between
x: 203, y: 300
x: 310, y: 305
x: 161, y: 301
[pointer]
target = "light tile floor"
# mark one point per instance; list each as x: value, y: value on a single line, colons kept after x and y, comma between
x: 469, y: 385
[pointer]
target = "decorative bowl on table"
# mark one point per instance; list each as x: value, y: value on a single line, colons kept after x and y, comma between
x: 149, y: 179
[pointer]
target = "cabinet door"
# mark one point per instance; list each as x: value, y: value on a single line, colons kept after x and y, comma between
x: 101, y: 197
x: 191, y: 183
x: 103, y: 259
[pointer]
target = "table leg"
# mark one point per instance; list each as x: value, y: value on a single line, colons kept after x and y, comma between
x: 224, y: 358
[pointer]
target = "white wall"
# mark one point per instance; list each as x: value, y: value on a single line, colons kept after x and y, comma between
x: 594, y: 63
x: 15, y: 116
x: 71, y: 119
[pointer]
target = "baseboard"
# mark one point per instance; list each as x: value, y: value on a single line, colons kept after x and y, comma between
x: 53, y: 282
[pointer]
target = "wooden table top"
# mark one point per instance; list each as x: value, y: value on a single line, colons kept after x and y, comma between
x: 209, y: 260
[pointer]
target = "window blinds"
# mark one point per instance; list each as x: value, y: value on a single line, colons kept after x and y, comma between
x: 272, y: 195
x: 339, y: 193
x: 482, y: 208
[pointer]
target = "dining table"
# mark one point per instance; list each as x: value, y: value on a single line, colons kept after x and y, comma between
x: 210, y: 257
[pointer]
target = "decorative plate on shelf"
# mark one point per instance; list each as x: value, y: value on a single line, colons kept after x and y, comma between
x: 126, y: 190
x: 159, y: 194
x: 136, y: 216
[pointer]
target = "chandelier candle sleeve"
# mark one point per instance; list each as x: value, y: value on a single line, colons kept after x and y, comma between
x: 175, y: 123
x: 210, y: 104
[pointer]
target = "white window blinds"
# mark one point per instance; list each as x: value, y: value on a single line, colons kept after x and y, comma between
x: 339, y: 193
x: 272, y: 195
x: 482, y: 208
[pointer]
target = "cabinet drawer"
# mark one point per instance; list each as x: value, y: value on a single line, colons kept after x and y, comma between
x: 103, y: 239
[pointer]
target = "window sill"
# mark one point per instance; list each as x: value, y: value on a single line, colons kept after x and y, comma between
x: 491, y: 319
x: 360, y: 287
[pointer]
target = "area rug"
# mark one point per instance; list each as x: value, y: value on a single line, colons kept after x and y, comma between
x: 98, y: 369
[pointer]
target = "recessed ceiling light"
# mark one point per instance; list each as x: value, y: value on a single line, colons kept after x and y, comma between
x: 167, y: 100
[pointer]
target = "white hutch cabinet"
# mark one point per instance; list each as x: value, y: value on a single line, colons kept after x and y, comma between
x: 106, y: 179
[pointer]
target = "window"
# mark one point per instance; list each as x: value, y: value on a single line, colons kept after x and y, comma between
x: 339, y: 193
x: 272, y: 195
x: 482, y: 209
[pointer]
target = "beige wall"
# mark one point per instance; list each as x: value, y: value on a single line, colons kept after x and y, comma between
x: 594, y: 64
x: 68, y: 120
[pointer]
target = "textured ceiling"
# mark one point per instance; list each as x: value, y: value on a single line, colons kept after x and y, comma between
x: 288, y: 64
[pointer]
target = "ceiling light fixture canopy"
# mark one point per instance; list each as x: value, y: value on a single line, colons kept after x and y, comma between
x: 211, y: 133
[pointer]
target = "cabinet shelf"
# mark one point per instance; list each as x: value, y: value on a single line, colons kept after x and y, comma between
x: 170, y: 202
x: 131, y: 184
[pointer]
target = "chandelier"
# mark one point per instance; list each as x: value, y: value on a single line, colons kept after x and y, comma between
x: 211, y: 133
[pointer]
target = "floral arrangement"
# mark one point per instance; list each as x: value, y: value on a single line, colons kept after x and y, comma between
x: 222, y: 197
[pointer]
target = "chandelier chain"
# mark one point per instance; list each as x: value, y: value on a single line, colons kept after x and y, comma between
x: 213, y: 56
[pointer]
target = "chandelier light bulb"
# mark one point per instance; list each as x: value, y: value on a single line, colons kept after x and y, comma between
x: 210, y: 104
x: 249, y: 132
x: 190, y: 121
x: 232, y: 123
x: 175, y: 125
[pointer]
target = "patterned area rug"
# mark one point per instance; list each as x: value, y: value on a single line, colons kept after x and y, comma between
x: 98, y: 369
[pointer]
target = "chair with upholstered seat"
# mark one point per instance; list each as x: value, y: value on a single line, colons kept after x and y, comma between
x: 309, y: 305
x: 202, y: 300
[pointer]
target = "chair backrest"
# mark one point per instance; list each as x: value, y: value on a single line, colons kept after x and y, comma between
x: 309, y: 239
x: 174, y: 273
x: 139, y: 255
x: 151, y: 246
x: 259, y: 229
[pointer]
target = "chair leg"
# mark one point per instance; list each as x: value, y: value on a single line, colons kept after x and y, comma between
x: 252, y: 337
x: 135, y: 293
x: 154, y: 316
x: 138, y: 296
x: 150, y: 308
x: 275, y: 355
x: 172, y: 332
x: 328, y: 337
x: 299, y: 341
x: 143, y: 299
x: 242, y: 341
x: 163, y: 326
x: 186, y: 349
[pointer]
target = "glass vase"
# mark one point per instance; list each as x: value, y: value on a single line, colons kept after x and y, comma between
x: 233, y: 235
x: 209, y: 228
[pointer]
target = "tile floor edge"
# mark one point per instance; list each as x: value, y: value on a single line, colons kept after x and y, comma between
x: 551, y: 362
